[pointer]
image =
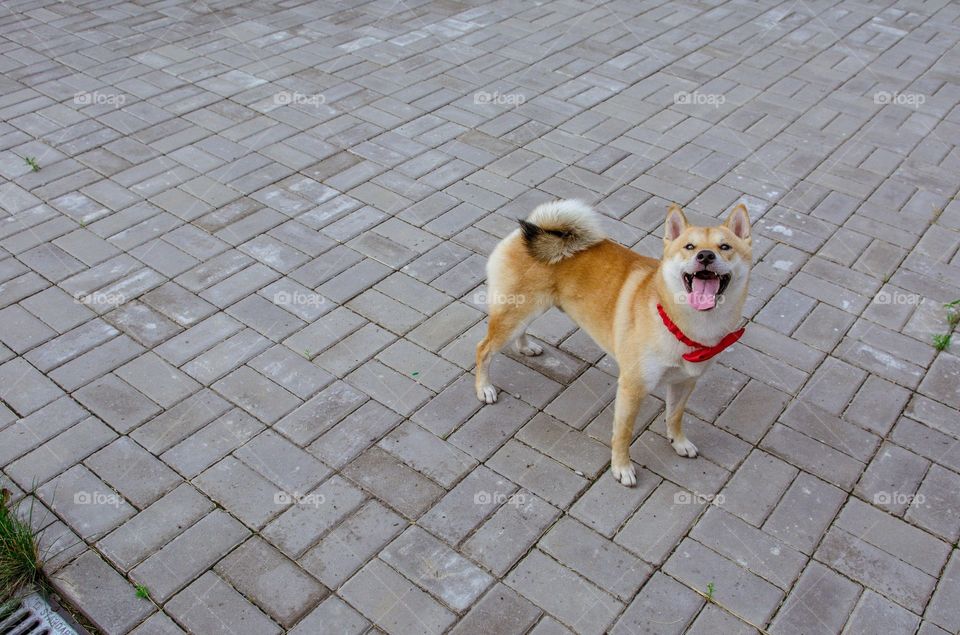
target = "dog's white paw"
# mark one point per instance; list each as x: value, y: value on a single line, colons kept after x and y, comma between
x: 684, y: 447
x: 627, y: 474
x: 487, y: 394
x: 530, y: 349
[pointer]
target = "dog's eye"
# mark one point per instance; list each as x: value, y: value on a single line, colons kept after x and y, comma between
x: 689, y: 246
x: 724, y: 247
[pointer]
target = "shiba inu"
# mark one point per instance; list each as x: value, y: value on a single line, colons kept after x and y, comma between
x: 662, y: 320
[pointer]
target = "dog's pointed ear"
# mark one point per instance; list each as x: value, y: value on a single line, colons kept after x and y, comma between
x: 739, y: 222
x: 676, y: 222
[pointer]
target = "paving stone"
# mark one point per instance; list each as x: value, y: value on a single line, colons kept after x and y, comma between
x: 318, y: 414
x: 439, y: 570
x: 820, y: 601
x: 744, y: 593
x: 662, y: 606
x: 381, y: 474
x: 25, y: 389
x: 563, y: 593
x: 256, y: 394
x: 59, y: 453
x: 757, y: 487
x: 133, y: 472
x: 501, y: 610
x: 605, y: 506
x: 417, y: 612
x: 152, y: 528
x: 312, y: 514
x: 873, y: 568
x: 892, y: 478
x: 210, y: 605
x: 943, y: 609
x: 29, y: 432
x: 87, y: 504
x: 171, y: 568
x: 427, y: 454
x: 158, y: 624
x: 283, y: 463
x: 117, y: 403
x: 769, y: 558
x: 109, y: 600
x: 211, y: 443
x: 158, y: 380
x: 274, y: 583
x: 354, y: 434
x: 509, y: 533
x: 672, y: 511
x: 348, y: 546
x: 334, y: 614
x: 875, y: 613
x: 804, y: 512
x: 177, y: 423
x: 939, y: 512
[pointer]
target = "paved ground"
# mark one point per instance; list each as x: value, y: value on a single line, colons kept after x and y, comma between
x: 240, y: 298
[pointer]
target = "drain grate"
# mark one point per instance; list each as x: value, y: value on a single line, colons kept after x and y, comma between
x: 35, y: 617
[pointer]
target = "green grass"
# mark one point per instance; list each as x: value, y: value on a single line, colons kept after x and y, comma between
x: 942, y: 341
x: 143, y: 592
x: 710, y: 590
x: 20, y: 561
x: 32, y: 162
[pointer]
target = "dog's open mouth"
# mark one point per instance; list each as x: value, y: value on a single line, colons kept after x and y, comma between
x: 703, y: 287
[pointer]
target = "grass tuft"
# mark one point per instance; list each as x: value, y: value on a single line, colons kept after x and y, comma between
x: 20, y: 561
x: 941, y: 342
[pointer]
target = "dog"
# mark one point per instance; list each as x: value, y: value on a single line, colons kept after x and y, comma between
x: 663, y: 321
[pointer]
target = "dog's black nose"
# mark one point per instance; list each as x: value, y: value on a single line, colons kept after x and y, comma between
x: 706, y: 257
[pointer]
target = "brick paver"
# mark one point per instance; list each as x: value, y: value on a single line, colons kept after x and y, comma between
x: 239, y: 302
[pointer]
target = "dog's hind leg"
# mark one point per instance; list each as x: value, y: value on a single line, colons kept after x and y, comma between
x: 506, y: 321
x: 524, y: 345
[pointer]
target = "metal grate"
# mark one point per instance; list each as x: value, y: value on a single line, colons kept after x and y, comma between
x: 35, y: 616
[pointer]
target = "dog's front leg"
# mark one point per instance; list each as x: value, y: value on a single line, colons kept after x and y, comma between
x: 630, y: 392
x: 677, y: 395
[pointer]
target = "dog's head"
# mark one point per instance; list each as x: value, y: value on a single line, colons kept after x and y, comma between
x: 702, y: 266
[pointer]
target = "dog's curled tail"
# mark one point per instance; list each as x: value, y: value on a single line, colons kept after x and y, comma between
x: 558, y: 230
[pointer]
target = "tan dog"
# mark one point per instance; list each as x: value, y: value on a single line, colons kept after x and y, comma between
x: 560, y: 258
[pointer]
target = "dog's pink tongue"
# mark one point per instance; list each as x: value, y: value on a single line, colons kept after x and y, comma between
x: 704, y: 294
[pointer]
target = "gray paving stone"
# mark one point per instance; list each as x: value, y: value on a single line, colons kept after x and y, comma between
x: 334, y: 614
x: 873, y: 568
x: 188, y: 555
x: 501, y: 610
x: 415, y: 611
x: 436, y: 568
x: 273, y: 582
x: 662, y: 606
x: 210, y: 605
x: 256, y: 394
x: 117, y: 403
x: 59, y: 453
x: 133, y: 472
x: 348, y: 546
x: 109, y: 600
x: 152, y: 528
x: 874, y: 613
x: 820, y: 601
x: 744, y: 593
x: 563, y: 593
x: 87, y: 504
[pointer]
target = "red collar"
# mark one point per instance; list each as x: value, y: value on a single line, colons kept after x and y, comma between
x: 701, y: 352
